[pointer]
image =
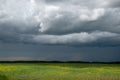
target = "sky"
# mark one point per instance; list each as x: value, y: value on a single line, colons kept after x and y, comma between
x: 62, y: 30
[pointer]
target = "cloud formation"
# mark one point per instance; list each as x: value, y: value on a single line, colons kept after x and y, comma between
x: 82, y: 37
x: 66, y: 22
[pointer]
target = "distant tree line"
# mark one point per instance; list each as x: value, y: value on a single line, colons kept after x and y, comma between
x: 117, y: 62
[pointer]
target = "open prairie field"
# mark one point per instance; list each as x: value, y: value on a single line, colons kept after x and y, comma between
x: 59, y: 71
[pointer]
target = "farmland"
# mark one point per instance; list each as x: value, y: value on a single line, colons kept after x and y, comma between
x: 59, y: 71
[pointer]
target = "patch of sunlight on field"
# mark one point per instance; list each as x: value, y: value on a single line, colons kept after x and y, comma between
x: 59, y: 71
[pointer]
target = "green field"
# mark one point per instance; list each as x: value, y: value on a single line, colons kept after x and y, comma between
x: 59, y: 71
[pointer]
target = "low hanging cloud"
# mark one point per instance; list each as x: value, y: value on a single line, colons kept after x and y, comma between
x: 81, y: 22
x: 82, y: 37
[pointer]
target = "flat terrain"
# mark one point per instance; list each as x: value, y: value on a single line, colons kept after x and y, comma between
x: 59, y: 71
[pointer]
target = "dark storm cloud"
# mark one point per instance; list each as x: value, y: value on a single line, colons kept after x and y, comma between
x: 68, y: 30
x: 81, y: 22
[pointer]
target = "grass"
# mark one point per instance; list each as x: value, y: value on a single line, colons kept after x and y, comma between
x: 59, y: 71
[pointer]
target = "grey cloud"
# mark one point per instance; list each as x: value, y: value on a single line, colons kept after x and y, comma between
x: 52, y: 22
x: 85, y: 3
x: 67, y: 21
x: 68, y: 30
x: 59, y: 19
x: 114, y: 3
x: 86, y: 20
x: 75, y: 38
x: 2, y: 15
